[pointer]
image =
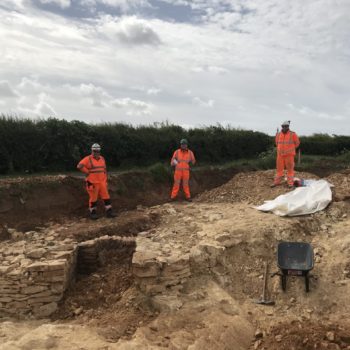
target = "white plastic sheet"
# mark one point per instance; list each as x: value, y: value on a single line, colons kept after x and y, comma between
x: 302, y: 201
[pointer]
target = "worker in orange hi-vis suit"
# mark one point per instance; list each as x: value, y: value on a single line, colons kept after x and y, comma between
x: 181, y: 160
x: 94, y: 166
x: 287, y: 143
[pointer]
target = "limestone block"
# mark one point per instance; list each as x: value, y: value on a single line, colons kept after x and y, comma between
x: 150, y: 269
x: 36, y: 253
x: 5, y: 299
x: 37, y: 266
x: 43, y: 300
x: 45, y: 310
x: 33, y: 289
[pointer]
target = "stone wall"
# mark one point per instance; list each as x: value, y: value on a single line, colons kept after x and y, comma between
x: 37, y: 268
x: 158, y: 268
x: 34, y: 273
x: 92, y: 253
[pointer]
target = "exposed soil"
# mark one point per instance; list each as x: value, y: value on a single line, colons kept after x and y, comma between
x: 128, y: 223
x: 38, y: 200
x: 107, y: 300
x: 250, y: 187
x: 296, y: 335
x: 215, y: 308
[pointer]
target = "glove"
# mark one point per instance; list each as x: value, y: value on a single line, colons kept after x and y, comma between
x: 89, y: 184
x: 175, y: 162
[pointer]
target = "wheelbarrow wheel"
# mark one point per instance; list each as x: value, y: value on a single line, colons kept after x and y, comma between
x: 307, y: 284
x: 284, y: 282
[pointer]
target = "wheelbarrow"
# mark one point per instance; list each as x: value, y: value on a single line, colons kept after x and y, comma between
x: 295, y: 259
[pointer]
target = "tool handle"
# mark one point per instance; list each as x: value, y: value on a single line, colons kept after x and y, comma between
x: 265, y: 281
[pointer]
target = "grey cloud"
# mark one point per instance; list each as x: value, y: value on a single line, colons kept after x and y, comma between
x: 202, y: 103
x: 44, y: 109
x: 61, y: 3
x: 132, y: 31
x: 6, y: 90
x: 134, y: 107
x: 288, y: 57
x: 98, y: 95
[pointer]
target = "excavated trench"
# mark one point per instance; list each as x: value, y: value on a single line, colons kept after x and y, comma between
x: 147, y: 278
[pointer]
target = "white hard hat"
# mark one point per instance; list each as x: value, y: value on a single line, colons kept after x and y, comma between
x: 287, y: 122
x: 96, y: 147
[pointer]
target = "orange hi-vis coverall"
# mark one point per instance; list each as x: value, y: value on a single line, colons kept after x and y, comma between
x: 286, y: 145
x: 96, y: 180
x: 182, y: 159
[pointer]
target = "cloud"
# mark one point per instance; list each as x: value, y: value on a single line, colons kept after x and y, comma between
x: 124, y: 5
x: 130, y: 30
x: 153, y: 91
x: 61, y: 3
x: 98, y: 96
x: 101, y: 98
x: 134, y: 107
x: 309, y: 112
x: 14, y: 4
x: 241, y: 61
x: 210, y: 69
x: 42, y: 108
x: 6, y: 90
x: 199, y: 102
x: 31, y: 86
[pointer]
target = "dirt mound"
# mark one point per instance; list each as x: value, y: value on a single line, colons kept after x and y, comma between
x: 250, y: 187
x: 298, y: 335
x: 341, y: 182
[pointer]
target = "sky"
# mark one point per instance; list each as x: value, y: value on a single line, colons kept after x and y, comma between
x: 248, y: 64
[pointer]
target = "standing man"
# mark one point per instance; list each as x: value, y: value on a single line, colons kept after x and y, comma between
x: 287, y: 142
x: 94, y: 166
x: 181, y: 160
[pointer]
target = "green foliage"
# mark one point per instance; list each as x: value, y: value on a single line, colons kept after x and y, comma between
x: 266, y: 160
x: 160, y: 173
x: 345, y: 156
x: 324, y: 144
x: 57, y: 145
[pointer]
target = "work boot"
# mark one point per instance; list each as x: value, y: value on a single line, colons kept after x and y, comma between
x: 189, y: 199
x: 93, y: 215
x: 173, y: 199
x: 110, y: 213
x: 273, y: 185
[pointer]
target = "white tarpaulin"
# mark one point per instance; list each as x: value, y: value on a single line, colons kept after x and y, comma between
x: 302, y: 201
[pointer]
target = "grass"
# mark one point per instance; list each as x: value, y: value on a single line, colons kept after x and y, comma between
x: 162, y: 172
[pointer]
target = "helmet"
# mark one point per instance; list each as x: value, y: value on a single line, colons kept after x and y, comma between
x: 183, y: 142
x: 95, y: 147
x: 287, y: 123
